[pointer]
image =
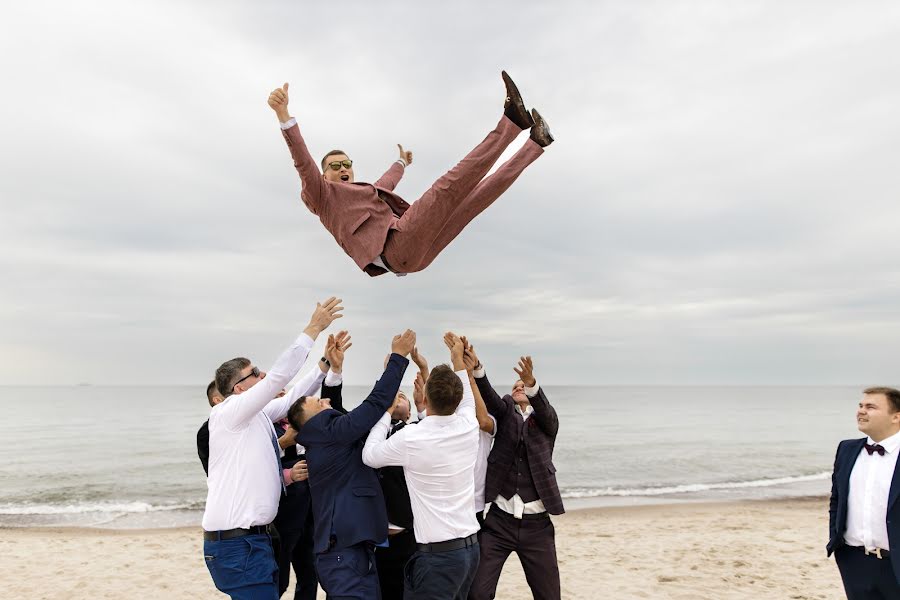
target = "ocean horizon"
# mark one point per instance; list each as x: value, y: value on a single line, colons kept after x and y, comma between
x: 125, y: 456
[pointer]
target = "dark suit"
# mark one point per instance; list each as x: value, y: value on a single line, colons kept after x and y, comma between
x: 294, y: 521
x: 348, y: 505
x: 521, y: 463
x: 865, y: 576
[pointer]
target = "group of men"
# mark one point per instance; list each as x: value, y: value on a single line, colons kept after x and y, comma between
x: 368, y: 503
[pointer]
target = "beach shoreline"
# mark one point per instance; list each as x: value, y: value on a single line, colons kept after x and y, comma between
x: 738, y: 549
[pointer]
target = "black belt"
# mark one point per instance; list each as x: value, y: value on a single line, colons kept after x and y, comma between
x: 877, y: 552
x: 449, y: 544
x: 227, y: 534
x: 525, y: 516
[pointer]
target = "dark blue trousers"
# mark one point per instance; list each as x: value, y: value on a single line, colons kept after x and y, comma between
x: 866, y: 577
x: 440, y: 575
x: 349, y: 573
x: 244, y: 567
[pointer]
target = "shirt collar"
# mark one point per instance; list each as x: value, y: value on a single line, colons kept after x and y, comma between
x: 525, y: 413
x: 890, y: 444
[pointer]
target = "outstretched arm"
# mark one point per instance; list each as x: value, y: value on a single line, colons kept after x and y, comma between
x: 492, y: 400
x: 485, y: 422
x: 357, y: 423
x: 237, y: 410
x: 313, y: 192
x: 544, y: 414
x: 392, y: 176
x: 381, y: 450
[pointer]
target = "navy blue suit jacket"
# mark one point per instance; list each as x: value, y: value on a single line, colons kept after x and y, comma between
x: 346, y: 496
x: 847, y: 453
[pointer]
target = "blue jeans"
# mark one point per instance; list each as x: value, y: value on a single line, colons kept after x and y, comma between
x: 244, y: 567
x: 349, y: 573
x: 440, y: 575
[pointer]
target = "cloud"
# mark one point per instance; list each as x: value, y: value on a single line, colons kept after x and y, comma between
x: 719, y: 207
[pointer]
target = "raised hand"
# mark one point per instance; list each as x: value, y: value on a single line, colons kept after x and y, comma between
x: 335, y: 348
x: 419, y: 360
x: 325, y: 313
x: 278, y: 101
x: 403, y: 343
x: 525, y: 371
x: 419, y: 392
x: 405, y: 155
x: 470, y: 359
x: 457, y: 350
x: 289, y: 438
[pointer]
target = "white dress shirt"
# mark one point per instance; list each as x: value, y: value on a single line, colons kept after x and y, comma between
x: 245, y: 478
x: 485, y: 439
x: 870, y: 485
x: 438, y: 460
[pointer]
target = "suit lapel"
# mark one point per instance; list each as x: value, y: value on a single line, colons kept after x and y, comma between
x: 895, y: 486
x: 852, y: 454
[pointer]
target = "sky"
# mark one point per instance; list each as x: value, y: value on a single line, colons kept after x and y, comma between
x: 719, y: 207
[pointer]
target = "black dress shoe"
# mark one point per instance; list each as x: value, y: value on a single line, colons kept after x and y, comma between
x: 514, y: 108
x: 540, y: 133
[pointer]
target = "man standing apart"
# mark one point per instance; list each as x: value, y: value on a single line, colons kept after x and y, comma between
x: 521, y: 484
x: 348, y: 505
x: 438, y: 460
x: 245, y: 476
x: 864, y: 517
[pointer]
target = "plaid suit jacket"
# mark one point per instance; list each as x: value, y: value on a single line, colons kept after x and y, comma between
x: 538, y: 434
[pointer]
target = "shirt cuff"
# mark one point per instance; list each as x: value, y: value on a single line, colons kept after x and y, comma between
x: 402, y: 162
x: 289, y: 123
x: 531, y: 392
x: 333, y: 379
x: 478, y: 373
x: 422, y: 415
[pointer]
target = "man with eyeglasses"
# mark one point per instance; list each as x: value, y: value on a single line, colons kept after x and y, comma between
x: 375, y: 226
x: 245, y: 476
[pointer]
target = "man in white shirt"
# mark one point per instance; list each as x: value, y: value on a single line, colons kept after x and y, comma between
x: 864, y: 517
x: 245, y: 477
x: 438, y: 460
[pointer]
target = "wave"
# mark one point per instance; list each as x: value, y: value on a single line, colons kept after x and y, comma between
x: 690, y: 487
x: 93, y: 507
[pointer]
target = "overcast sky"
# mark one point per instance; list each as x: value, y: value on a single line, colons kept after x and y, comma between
x: 720, y: 206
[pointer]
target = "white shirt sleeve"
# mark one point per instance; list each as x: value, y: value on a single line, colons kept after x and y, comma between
x: 237, y: 410
x: 333, y: 379
x: 289, y: 123
x: 308, y: 384
x: 381, y: 451
x: 532, y: 391
x: 466, y: 406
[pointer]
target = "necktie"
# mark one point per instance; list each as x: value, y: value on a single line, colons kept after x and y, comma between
x: 875, y: 448
x: 278, y: 462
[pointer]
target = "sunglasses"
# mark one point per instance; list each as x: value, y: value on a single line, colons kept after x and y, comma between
x: 336, y: 165
x: 254, y: 372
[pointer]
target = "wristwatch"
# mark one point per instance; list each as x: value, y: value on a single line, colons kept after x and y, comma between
x: 325, y: 360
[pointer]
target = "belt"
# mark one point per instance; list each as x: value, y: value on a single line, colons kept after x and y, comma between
x: 525, y: 516
x: 877, y: 552
x: 449, y: 544
x: 227, y: 534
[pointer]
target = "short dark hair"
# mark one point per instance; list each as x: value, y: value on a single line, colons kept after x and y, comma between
x: 332, y: 153
x: 444, y: 391
x: 209, y: 391
x: 295, y: 413
x: 893, y: 395
x: 228, y: 374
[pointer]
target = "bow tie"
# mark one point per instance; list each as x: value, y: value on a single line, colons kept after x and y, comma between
x: 875, y: 448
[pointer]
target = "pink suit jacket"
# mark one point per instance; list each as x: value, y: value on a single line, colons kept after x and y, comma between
x: 358, y: 215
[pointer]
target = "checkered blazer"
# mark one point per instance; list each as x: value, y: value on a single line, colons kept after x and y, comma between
x: 538, y: 434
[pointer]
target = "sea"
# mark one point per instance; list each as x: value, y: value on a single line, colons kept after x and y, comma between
x: 126, y: 457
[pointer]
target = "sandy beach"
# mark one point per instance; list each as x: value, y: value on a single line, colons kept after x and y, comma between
x: 752, y: 549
